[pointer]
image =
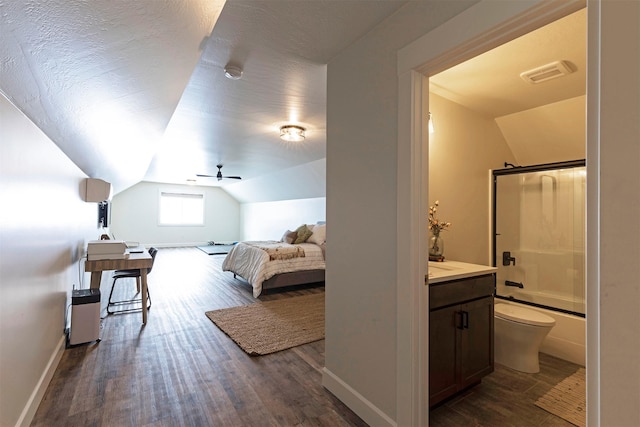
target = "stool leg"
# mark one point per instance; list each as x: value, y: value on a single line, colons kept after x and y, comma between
x: 109, y: 303
x: 113, y: 303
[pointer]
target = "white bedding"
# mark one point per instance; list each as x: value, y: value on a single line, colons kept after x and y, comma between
x: 253, y: 264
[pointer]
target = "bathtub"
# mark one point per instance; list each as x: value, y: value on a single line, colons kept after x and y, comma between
x: 567, y: 338
x: 549, y: 298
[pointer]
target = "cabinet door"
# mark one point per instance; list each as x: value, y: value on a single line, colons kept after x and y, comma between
x: 443, y: 355
x: 476, y: 341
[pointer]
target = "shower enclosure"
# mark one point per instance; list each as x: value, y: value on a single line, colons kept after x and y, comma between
x: 539, y: 235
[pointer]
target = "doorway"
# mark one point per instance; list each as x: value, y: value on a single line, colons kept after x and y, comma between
x: 486, y: 117
x: 431, y: 54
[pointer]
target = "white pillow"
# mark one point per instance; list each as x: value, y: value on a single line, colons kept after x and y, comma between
x: 319, y: 235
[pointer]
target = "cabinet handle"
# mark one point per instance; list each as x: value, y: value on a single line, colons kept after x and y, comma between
x: 460, y: 319
x: 465, y: 320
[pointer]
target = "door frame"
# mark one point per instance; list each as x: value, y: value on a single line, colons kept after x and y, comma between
x: 480, y: 28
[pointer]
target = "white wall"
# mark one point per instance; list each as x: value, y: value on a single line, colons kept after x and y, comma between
x: 135, y: 216
x: 362, y: 102
x: 269, y: 220
x: 550, y: 133
x: 613, y: 228
x: 43, y: 228
x: 307, y: 181
x: 463, y: 149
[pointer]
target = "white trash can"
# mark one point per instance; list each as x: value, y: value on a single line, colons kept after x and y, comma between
x: 85, y: 316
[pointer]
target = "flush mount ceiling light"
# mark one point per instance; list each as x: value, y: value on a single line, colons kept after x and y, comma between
x: 232, y: 72
x: 292, y: 133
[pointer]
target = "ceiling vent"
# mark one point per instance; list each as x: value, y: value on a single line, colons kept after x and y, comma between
x: 546, y: 72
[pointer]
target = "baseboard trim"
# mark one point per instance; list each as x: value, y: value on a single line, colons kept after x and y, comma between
x: 29, y: 411
x: 366, y: 410
x: 565, y: 350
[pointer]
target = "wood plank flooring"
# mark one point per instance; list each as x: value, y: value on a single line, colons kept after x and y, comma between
x: 181, y: 370
x: 506, y: 398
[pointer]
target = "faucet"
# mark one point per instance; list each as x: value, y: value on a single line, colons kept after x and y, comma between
x: 507, y: 259
x: 515, y: 284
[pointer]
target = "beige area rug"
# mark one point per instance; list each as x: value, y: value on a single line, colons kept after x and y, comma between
x: 567, y: 399
x: 267, y: 327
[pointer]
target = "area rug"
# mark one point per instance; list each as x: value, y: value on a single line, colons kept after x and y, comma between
x: 270, y: 326
x: 215, y: 249
x: 567, y: 399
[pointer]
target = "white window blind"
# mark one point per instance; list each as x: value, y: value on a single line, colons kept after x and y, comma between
x: 181, y: 209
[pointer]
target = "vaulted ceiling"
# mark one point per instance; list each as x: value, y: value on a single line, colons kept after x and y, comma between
x: 541, y: 122
x: 135, y: 91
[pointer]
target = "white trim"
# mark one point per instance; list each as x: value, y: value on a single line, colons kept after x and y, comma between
x: 592, y: 262
x: 29, y: 410
x: 412, y: 354
x: 480, y: 28
x: 355, y: 401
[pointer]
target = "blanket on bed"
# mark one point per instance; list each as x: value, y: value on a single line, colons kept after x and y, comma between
x: 253, y: 264
x: 278, y: 250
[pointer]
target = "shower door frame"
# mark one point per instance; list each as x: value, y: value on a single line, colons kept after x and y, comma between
x: 494, y: 257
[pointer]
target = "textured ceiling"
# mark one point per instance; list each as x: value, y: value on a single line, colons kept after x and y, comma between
x: 102, y: 78
x: 283, y: 48
x: 136, y: 91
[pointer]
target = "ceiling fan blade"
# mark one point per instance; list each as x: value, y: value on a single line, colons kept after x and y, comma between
x: 218, y: 175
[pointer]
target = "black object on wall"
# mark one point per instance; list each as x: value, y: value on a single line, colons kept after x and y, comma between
x: 104, y: 214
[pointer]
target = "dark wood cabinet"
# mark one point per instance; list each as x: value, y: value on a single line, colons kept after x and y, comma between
x: 460, y: 334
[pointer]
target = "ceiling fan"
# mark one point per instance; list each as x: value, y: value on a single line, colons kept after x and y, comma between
x: 218, y: 175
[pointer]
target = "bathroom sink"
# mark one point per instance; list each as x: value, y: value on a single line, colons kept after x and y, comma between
x: 441, y: 266
x: 451, y: 270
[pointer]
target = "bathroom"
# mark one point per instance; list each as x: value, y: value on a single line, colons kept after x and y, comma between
x: 487, y: 117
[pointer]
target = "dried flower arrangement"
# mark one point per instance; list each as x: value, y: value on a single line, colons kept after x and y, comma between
x: 435, y: 225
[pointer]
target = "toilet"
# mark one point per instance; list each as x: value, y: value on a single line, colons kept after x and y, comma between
x: 519, y: 332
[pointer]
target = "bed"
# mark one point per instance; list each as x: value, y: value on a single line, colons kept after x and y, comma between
x: 275, y: 264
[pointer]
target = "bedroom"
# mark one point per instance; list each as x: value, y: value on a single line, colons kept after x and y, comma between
x: 50, y: 242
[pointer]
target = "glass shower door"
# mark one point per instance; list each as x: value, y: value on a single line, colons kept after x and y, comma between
x: 539, y: 228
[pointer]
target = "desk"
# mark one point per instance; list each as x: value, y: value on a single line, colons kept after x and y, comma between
x: 142, y: 261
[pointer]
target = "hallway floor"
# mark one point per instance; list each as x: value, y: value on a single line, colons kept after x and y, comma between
x: 181, y: 370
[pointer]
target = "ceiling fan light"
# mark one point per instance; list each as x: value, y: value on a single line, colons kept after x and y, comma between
x: 292, y: 133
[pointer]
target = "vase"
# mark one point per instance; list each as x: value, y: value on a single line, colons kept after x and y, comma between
x: 436, y: 246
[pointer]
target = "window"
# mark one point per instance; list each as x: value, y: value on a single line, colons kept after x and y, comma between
x: 181, y: 209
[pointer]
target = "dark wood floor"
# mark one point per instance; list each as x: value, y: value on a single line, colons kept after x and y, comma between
x: 506, y: 398
x: 181, y: 370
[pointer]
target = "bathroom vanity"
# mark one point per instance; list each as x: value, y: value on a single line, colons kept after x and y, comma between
x: 460, y: 326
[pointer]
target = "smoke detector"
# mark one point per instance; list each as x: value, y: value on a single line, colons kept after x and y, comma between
x: 546, y: 72
x: 232, y: 72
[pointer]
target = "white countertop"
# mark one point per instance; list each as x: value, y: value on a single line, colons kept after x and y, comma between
x: 452, y: 270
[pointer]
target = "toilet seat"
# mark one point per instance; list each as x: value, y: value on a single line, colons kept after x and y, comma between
x: 523, y: 315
